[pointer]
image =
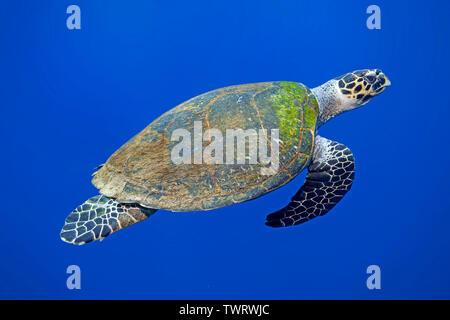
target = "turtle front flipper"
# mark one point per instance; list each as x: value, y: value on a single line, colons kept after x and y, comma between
x: 330, y: 177
x: 100, y: 216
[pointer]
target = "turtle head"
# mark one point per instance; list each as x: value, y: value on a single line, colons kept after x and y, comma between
x: 348, y: 92
x: 358, y: 87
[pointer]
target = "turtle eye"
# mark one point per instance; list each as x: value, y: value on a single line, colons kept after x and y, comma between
x: 370, y: 78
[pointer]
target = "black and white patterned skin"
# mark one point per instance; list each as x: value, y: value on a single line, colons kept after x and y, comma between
x: 100, y: 216
x: 330, y: 177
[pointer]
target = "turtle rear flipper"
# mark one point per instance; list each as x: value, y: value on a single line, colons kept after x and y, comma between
x: 330, y: 177
x: 100, y: 216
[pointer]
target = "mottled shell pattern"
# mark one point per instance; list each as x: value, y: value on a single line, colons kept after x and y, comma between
x: 142, y: 170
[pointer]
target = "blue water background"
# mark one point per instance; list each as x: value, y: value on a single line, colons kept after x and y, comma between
x: 69, y: 98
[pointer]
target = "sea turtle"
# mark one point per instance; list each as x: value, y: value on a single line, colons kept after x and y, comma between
x: 147, y: 174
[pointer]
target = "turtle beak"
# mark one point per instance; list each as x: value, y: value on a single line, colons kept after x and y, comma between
x: 388, y: 82
x: 381, y: 83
